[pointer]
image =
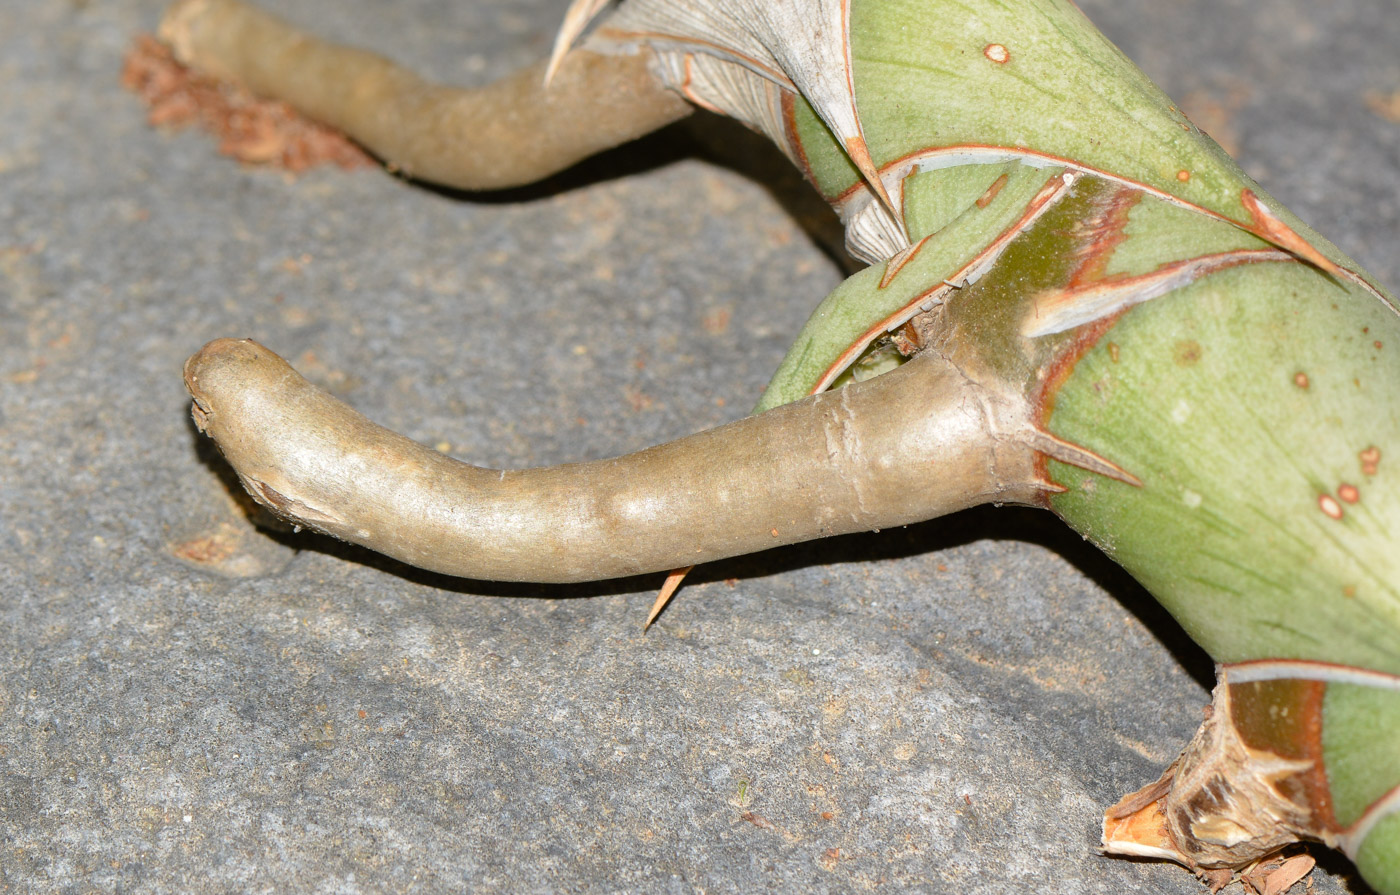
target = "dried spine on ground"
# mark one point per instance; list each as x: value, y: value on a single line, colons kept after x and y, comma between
x: 1075, y: 300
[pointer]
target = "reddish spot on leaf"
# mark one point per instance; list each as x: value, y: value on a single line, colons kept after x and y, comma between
x: 1330, y: 506
x: 997, y: 53
x: 1370, y: 460
x: 1300, y: 379
x: 992, y: 191
x: 1349, y: 493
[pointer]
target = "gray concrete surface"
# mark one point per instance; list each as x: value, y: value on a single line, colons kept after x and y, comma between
x: 190, y: 704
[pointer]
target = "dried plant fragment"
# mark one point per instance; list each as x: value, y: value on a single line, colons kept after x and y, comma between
x: 1221, y: 805
x: 252, y: 130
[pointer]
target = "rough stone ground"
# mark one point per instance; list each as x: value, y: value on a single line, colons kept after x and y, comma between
x: 187, y: 702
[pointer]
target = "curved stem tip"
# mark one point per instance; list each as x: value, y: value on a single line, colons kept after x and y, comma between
x: 903, y: 447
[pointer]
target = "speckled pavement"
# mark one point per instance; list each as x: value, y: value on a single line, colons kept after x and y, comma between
x: 189, y: 703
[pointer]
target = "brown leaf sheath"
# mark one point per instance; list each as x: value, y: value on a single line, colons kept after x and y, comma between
x: 518, y: 131
x: 830, y: 464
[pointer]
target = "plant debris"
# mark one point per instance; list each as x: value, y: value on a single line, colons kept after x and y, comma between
x: 250, y: 129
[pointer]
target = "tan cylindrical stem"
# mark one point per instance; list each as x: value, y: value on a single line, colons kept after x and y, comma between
x: 906, y: 446
x: 506, y: 134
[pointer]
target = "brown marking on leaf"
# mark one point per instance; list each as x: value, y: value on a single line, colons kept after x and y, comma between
x: 1101, y: 234
x: 799, y: 152
x: 252, y: 130
x: 860, y: 156
x: 897, y: 168
x: 1300, y: 379
x: 1114, y: 351
x: 987, y: 198
x: 1370, y: 460
x: 688, y: 64
x: 1348, y: 493
x: 900, y: 259
x: 1330, y: 507
x: 1057, y: 310
x: 1187, y: 353
x: 1284, y: 717
x: 1267, y: 225
x: 1183, y: 175
x: 1056, y: 186
x: 997, y: 53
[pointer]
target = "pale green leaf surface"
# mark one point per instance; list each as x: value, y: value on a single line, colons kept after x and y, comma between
x: 1358, y: 739
x: 1199, y: 394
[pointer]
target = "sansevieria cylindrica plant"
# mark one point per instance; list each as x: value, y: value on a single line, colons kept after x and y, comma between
x: 1075, y: 300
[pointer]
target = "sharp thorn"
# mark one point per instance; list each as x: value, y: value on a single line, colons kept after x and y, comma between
x: 668, y: 590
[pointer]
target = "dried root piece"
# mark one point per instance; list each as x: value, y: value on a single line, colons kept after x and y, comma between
x: 252, y: 130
